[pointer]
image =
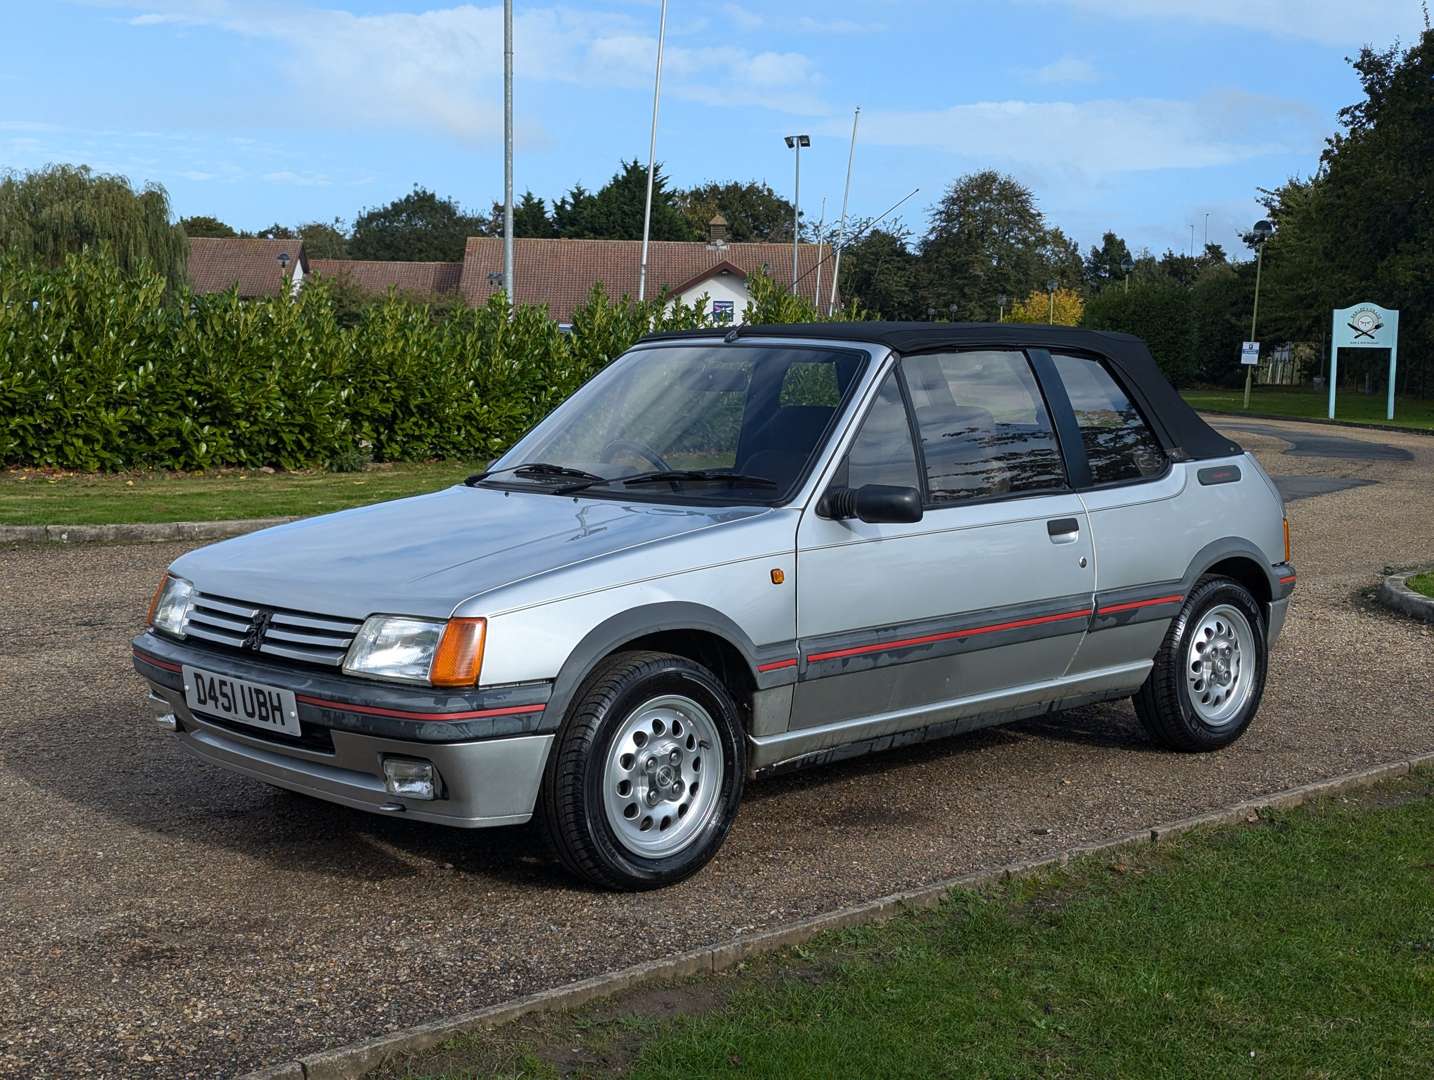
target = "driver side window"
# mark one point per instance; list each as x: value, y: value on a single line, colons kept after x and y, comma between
x: 883, y: 452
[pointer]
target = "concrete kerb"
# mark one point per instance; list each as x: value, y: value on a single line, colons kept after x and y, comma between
x: 358, y: 1059
x: 134, y: 534
x: 1365, y: 425
x: 1395, y: 593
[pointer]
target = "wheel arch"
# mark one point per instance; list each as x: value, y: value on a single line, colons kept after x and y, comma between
x: 1241, y: 561
x: 699, y: 633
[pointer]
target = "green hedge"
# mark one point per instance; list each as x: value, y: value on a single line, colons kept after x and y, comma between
x: 99, y: 371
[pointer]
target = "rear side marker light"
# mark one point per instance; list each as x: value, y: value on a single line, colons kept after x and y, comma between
x: 1287, y: 539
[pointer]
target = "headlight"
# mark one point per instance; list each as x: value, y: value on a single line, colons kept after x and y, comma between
x: 169, y: 610
x: 418, y: 650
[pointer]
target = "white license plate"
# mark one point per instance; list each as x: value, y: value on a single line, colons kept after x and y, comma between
x: 242, y: 701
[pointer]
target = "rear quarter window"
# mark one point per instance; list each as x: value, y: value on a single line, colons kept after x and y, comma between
x: 1119, y: 444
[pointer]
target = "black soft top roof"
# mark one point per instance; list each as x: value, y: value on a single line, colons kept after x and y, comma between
x: 1178, y: 426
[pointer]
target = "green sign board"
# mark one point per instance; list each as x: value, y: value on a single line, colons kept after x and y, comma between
x: 1364, y: 326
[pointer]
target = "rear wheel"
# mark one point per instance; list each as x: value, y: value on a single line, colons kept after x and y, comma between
x: 648, y: 770
x: 1209, y: 674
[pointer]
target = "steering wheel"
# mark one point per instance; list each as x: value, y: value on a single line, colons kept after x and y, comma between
x: 632, y: 446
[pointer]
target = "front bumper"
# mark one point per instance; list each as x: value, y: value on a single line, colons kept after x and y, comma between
x: 486, y: 781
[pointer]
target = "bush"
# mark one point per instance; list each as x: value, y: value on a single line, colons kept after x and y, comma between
x: 1156, y: 309
x: 98, y: 371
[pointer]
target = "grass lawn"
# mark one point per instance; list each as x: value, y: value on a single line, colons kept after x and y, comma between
x: 1423, y: 583
x: 1306, y: 404
x: 28, y: 497
x: 1299, y: 945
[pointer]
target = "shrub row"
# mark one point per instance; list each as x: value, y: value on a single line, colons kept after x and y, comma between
x: 99, y: 372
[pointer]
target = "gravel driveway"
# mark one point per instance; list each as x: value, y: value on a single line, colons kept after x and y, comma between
x: 164, y: 918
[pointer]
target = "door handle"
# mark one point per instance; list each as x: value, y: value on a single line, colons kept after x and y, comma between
x: 1063, y: 530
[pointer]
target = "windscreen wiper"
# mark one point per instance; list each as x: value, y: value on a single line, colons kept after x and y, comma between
x: 536, y: 469
x: 704, y: 476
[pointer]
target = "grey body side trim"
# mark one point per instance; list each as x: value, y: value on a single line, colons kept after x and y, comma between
x: 1224, y: 548
x: 980, y: 709
x: 641, y: 622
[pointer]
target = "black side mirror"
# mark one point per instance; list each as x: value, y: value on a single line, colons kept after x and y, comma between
x: 876, y: 504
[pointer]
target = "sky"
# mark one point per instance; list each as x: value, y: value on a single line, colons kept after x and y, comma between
x: 1141, y: 116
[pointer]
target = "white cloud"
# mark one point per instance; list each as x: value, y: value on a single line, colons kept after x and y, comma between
x: 1096, y: 138
x: 809, y: 25
x: 302, y: 179
x: 1330, y: 22
x: 440, y: 68
x: 1068, y: 69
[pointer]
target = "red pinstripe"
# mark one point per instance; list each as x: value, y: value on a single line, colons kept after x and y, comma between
x: 1174, y: 599
x: 403, y: 714
x: 777, y: 665
x: 926, y: 639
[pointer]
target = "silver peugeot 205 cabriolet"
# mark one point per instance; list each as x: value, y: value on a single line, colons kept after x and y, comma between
x: 732, y: 553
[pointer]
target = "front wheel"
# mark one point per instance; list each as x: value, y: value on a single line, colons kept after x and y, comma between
x: 647, y: 773
x: 1209, y: 674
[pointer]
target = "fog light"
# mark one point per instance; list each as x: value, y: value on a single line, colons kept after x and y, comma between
x: 410, y: 778
x: 163, y: 712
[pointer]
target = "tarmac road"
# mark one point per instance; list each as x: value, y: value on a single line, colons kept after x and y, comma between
x: 164, y: 918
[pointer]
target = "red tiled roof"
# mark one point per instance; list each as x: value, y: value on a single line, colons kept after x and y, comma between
x: 420, y: 279
x: 561, y: 273
x: 217, y: 264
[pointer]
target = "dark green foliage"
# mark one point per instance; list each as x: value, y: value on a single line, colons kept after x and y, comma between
x: 1220, y: 303
x: 1157, y: 310
x: 615, y: 211
x: 754, y: 212
x: 1363, y: 227
x: 418, y: 227
x: 1104, y: 264
x: 97, y: 373
x: 986, y: 238
x: 54, y: 212
x: 206, y: 225
x: 324, y: 239
x: 878, y: 271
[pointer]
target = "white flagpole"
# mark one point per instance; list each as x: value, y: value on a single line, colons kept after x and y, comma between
x: 841, y: 229
x: 651, y: 155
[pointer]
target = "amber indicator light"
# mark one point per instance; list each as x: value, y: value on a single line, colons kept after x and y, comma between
x: 778, y: 577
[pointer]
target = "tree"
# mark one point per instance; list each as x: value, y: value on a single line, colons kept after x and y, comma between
x: 205, y: 225
x: 530, y: 219
x: 273, y: 232
x: 420, y: 226
x: 754, y: 211
x: 1220, y: 303
x: 1156, y: 309
x: 1105, y: 264
x: 1362, y: 228
x: 878, y: 274
x: 615, y: 212
x: 1037, y: 307
x: 63, y: 209
x: 324, y: 240
x: 1061, y: 261
x: 986, y: 238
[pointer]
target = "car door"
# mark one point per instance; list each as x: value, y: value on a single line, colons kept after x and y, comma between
x: 902, y: 625
x: 1145, y: 537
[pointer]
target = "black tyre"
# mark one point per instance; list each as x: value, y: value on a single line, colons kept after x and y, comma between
x: 1209, y: 674
x: 647, y: 772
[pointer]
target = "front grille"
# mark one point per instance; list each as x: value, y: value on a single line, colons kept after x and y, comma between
x: 292, y: 635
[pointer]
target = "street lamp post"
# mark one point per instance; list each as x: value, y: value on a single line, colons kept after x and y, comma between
x: 796, y: 142
x: 1051, y: 287
x: 1263, y: 230
x: 1127, y: 264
